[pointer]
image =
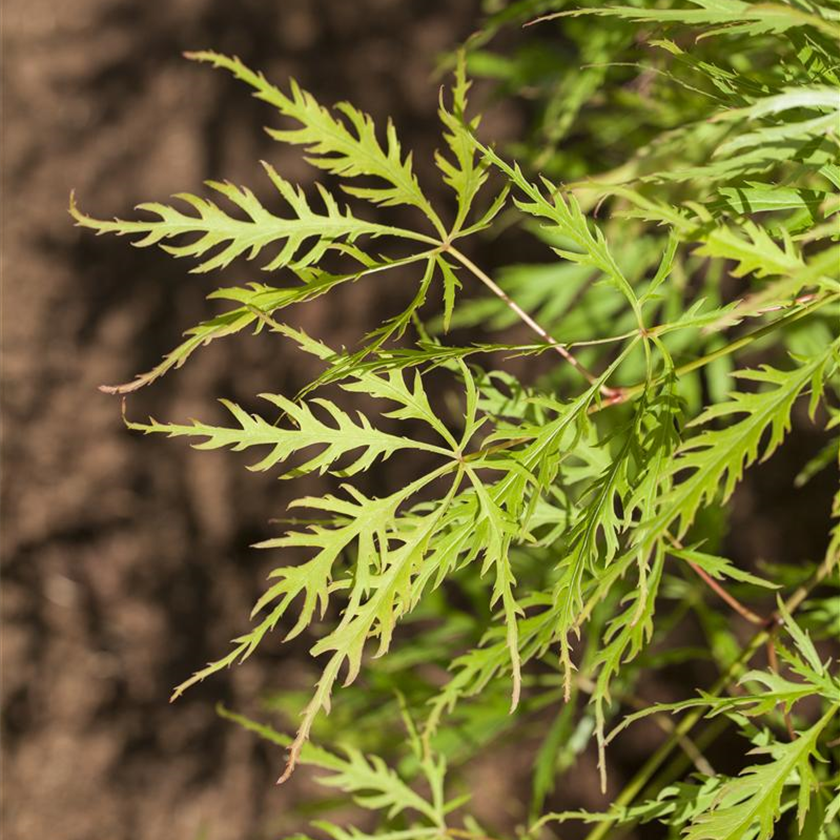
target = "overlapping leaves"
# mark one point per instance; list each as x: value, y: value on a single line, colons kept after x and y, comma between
x: 556, y: 509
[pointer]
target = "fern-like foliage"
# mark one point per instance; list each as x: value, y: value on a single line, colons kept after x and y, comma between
x: 306, y: 235
x: 343, y: 435
x: 714, y: 460
x: 690, y: 299
x: 343, y: 143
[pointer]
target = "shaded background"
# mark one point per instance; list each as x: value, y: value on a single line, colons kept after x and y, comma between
x: 126, y: 559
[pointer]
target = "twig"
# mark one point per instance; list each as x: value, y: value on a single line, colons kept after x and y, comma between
x: 720, y: 590
x: 621, y: 395
x: 466, y: 835
x: 662, y: 721
x: 527, y: 319
x: 773, y: 662
x: 724, y: 594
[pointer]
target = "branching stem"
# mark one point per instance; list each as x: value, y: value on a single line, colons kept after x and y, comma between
x: 527, y: 319
x: 624, y: 394
x: 773, y: 662
x: 721, y: 591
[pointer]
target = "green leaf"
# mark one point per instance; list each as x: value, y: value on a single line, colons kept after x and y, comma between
x: 728, y: 16
x: 450, y: 285
x: 720, y: 568
x: 565, y: 217
x: 465, y: 174
x: 760, y: 199
x: 753, y: 800
x: 339, y: 438
x: 344, y: 145
x: 714, y: 460
x: 756, y: 253
x: 306, y: 234
x: 258, y: 302
x: 372, y: 784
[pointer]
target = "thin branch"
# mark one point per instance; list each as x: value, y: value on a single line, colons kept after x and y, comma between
x: 773, y: 662
x: 662, y: 720
x: 621, y: 395
x: 721, y: 591
x: 527, y: 319
x: 461, y: 834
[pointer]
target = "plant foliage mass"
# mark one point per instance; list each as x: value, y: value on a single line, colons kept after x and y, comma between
x: 685, y: 321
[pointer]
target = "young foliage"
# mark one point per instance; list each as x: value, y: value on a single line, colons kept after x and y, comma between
x: 689, y: 300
